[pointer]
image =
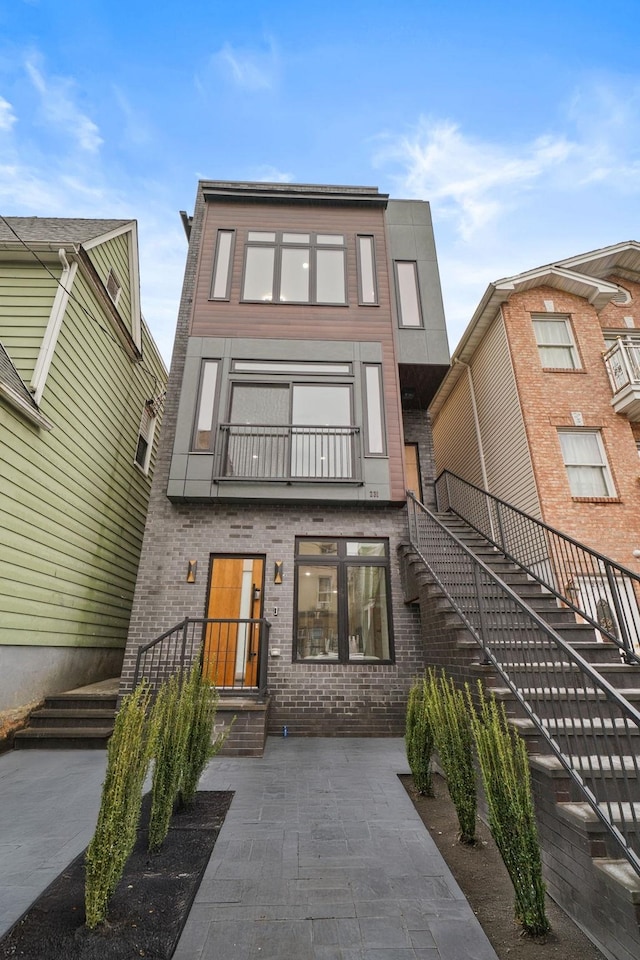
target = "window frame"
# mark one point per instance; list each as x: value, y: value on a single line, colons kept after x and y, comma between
x: 399, y: 299
x: 313, y: 245
x: 341, y: 562
x: 217, y: 364
x: 367, y: 411
x: 571, y: 347
x: 146, y: 433
x: 361, y: 298
x: 603, y: 466
x: 229, y: 265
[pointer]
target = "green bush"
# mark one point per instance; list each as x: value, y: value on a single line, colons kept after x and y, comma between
x: 448, y: 714
x: 507, y: 783
x: 128, y: 756
x: 202, y: 701
x: 419, y: 739
x: 171, y: 717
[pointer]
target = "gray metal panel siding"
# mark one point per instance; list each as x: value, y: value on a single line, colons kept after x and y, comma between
x: 504, y: 440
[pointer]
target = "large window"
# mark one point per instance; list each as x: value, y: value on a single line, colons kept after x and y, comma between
x: 585, y: 459
x: 342, y: 600
x: 556, y: 346
x: 294, y: 268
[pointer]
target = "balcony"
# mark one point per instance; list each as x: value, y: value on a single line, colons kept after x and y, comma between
x: 622, y: 361
x: 288, y: 453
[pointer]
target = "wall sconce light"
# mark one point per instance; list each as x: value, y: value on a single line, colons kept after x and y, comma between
x: 277, y: 571
x: 191, y: 571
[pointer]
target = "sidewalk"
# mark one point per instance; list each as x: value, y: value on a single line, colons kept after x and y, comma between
x: 321, y: 856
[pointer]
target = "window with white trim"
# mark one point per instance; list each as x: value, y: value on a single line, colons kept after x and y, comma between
x: 556, y: 344
x: 145, y: 437
x: 221, y: 282
x: 585, y: 460
x: 282, y: 267
x: 409, y: 310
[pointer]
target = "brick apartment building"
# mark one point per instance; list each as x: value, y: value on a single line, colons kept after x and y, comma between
x: 310, y: 342
x: 542, y: 406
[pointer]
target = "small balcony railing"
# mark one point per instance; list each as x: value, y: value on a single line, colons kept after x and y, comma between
x: 622, y: 361
x: 288, y: 452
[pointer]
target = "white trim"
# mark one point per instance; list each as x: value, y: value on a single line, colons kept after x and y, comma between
x: 24, y: 408
x: 54, y: 325
x: 134, y: 272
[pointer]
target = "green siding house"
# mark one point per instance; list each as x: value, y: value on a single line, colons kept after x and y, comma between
x: 81, y: 393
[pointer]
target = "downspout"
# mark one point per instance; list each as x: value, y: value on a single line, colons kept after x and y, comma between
x: 476, y: 421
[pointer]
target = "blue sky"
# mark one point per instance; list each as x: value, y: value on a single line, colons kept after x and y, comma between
x: 520, y: 123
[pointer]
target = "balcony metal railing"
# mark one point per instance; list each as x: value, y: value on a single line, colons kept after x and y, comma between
x: 233, y: 653
x: 288, y: 452
x: 603, y: 593
x: 622, y: 361
x: 592, y: 730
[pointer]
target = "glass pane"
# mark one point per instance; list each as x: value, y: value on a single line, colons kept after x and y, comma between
x: 375, y: 435
x: 317, y: 612
x: 367, y: 620
x: 267, y: 404
x: 330, y: 285
x: 205, y: 412
x: 408, y: 295
x: 316, y: 404
x: 258, y: 277
x: 580, y: 448
x: 261, y: 237
x: 360, y: 548
x: 223, y: 260
x: 294, y: 277
x: 367, y: 273
x: 551, y: 332
x: 330, y: 239
x: 295, y: 238
x: 285, y: 366
x: 561, y: 358
x: 587, y: 482
x: 317, y: 548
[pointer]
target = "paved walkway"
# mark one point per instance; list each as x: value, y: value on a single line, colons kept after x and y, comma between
x: 321, y: 856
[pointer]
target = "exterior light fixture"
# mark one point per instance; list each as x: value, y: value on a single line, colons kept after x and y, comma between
x: 277, y: 571
x: 192, y: 568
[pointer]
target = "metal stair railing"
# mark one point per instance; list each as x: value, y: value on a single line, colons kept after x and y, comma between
x: 586, y: 723
x: 208, y: 639
x: 573, y: 572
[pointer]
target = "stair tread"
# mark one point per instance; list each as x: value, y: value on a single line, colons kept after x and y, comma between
x: 62, y: 732
x: 622, y: 874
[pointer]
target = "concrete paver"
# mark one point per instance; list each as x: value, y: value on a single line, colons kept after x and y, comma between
x: 321, y: 856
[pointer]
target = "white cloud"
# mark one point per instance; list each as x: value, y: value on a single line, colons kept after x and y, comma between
x: 59, y: 108
x: 7, y: 116
x: 268, y: 174
x: 249, y: 69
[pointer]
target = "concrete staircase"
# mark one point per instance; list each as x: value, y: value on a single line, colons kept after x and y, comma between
x: 80, y: 719
x: 83, y: 719
x: 583, y: 869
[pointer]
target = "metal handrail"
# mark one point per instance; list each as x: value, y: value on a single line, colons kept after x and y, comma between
x: 570, y: 570
x: 585, y: 722
x: 291, y: 452
x: 179, y: 647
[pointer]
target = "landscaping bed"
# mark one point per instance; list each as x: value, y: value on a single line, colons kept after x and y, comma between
x: 149, y: 908
x: 483, y: 878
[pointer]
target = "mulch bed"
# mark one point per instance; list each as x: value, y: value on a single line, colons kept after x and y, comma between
x: 149, y: 908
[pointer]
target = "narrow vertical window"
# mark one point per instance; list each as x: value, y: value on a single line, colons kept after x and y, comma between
x: 258, y: 273
x: 204, y: 424
x: 366, y: 271
x: 145, y: 437
x: 222, y: 265
x: 330, y: 276
x: 408, y: 295
x: 375, y: 422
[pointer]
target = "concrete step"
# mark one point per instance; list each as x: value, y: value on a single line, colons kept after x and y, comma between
x: 73, y: 718
x: 54, y: 738
x: 603, y: 775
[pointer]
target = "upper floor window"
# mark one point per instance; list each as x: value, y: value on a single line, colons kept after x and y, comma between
x: 556, y: 345
x: 145, y: 437
x: 113, y: 286
x: 367, y: 287
x: 221, y: 282
x: 204, y: 437
x: 286, y: 267
x: 408, y: 293
x: 586, y: 463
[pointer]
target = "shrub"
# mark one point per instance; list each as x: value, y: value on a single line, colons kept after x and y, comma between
x: 448, y: 714
x: 128, y: 757
x: 171, y: 719
x: 507, y: 783
x: 419, y: 739
x: 203, y: 702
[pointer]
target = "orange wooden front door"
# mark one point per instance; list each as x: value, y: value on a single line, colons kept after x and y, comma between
x: 231, y: 648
